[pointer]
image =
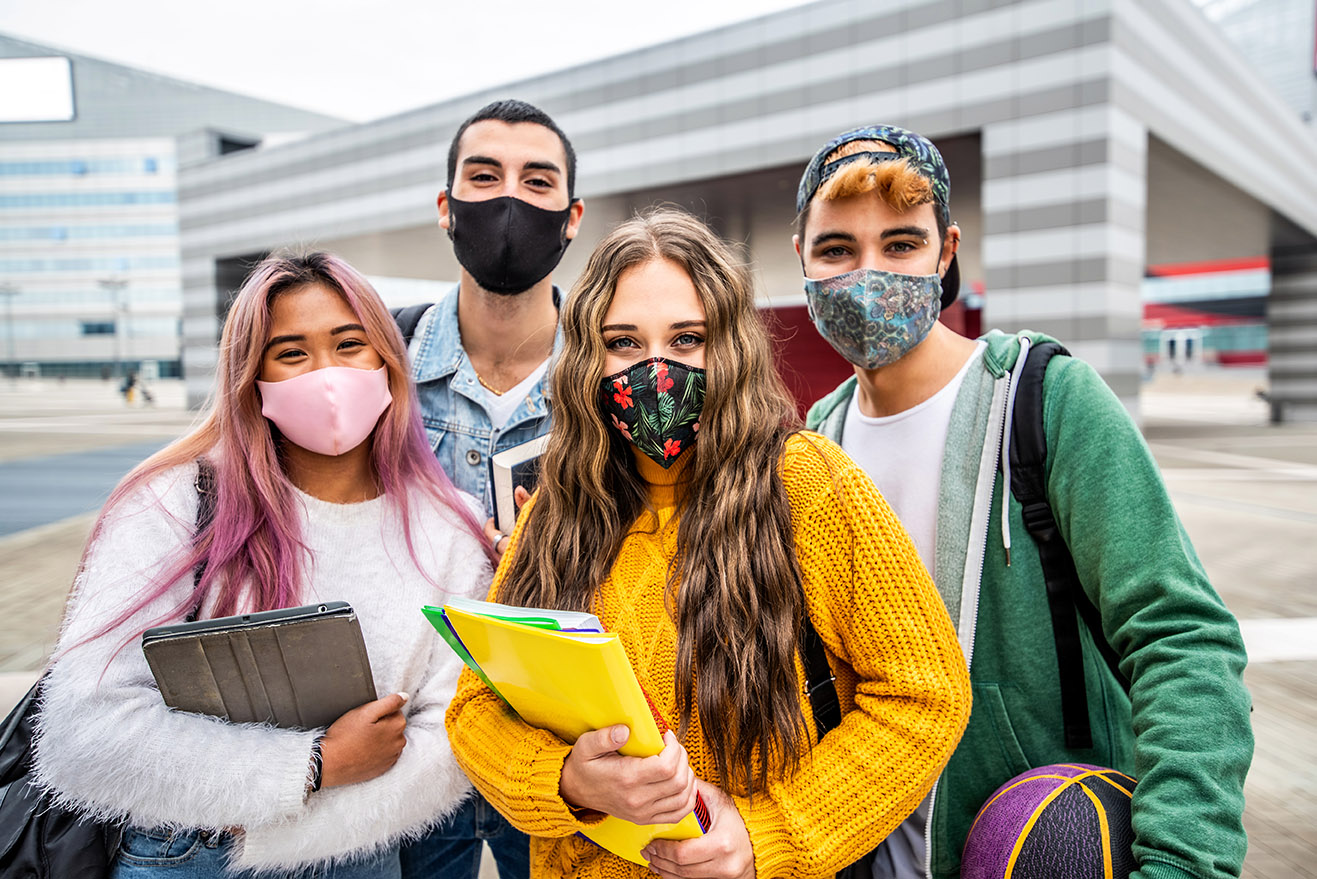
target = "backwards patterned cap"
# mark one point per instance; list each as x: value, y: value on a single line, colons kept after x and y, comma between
x: 919, y: 151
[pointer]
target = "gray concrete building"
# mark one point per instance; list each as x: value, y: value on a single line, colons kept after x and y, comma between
x: 89, y: 245
x: 1085, y: 139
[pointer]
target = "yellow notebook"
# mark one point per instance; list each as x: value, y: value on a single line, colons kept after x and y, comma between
x: 559, y: 676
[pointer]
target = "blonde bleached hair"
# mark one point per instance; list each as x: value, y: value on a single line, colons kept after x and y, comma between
x: 897, y: 182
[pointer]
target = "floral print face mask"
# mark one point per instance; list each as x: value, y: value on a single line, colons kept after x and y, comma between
x: 656, y: 404
x: 874, y: 318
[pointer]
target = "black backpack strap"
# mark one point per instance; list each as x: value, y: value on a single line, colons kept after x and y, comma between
x: 205, y: 484
x: 407, y: 317
x: 1065, y: 595
x: 823, y: 699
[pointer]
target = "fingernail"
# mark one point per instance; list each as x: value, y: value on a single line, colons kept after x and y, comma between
x: 620, y: 734
x: 404, y: 696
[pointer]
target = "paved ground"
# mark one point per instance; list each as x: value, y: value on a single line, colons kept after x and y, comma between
x: 1247, y: 493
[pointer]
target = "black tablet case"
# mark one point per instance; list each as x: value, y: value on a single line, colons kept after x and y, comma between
x: 299, y: 667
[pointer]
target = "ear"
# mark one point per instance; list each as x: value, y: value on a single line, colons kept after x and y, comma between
x: 577, y: 208
x: 445, y: 218
x: 795, y: 242
x: 949, y: 248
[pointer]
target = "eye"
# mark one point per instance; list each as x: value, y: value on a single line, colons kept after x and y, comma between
x: 350, y: 344
x: 620, y: 343
x: 903, y: 246
x: 540, y: 183
x: 688, y: 340
x: 836, y: 251
x: 290, y: 354
x: 483, y: 177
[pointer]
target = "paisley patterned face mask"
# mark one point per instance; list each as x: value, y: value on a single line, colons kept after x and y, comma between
x: 656, y: 404
x: 874, y: 318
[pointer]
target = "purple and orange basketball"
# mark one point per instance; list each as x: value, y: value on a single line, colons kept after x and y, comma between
x: 1064, y: 821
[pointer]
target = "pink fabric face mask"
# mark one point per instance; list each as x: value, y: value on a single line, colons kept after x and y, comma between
x: 329, y: 411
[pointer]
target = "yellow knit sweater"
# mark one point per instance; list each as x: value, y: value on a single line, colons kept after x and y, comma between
x: 901, y: 680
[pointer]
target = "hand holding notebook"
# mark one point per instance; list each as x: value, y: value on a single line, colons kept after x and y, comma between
x: 643, y: 790
x: 561, y: 672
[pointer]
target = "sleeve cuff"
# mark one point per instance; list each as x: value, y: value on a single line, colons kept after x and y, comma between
x: 773, y: 852
x: 544, y: 812
x: 1161, y: 870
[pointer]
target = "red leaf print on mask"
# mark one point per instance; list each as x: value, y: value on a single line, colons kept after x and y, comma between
x: 621, y: 426
x: 671, y: 448
x: 621, y: 395
x: 664, y: 383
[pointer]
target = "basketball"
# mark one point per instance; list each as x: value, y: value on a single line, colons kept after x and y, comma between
x: 1064, y: 821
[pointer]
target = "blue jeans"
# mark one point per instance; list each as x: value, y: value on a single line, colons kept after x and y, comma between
x: 161, y: 853
x: 452, y: 850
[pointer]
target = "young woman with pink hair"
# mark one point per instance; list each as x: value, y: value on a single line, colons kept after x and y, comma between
x: 324, y: 489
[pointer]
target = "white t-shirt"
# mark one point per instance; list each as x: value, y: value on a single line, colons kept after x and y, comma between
x: 902, y: 454
x: 501, y: 406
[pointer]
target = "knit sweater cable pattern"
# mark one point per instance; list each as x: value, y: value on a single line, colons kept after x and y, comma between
x: 108, y: 745
x: 900, y: 674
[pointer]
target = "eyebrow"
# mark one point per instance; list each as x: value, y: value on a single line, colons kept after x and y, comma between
x: 299, y: 337
x: 535, y: 165
x: 481, y: 160
x: 914, y: 231
x: 679, y: 325
x: 831, y: 236
x: 279, y: 340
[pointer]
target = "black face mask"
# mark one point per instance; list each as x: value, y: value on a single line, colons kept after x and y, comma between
x: 507, y: 245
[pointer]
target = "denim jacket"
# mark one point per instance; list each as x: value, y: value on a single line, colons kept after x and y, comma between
x: 453, y: 403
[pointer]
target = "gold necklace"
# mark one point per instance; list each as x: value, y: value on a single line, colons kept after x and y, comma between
x: 486, y: 385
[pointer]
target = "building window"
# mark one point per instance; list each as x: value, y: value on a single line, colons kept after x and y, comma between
x: 98, y: 328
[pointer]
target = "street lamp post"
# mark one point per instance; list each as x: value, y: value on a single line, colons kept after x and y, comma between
x: 115, y: 287
x: 9, y: 291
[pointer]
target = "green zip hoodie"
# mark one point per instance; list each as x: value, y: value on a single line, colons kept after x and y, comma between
x: 1180, y: 648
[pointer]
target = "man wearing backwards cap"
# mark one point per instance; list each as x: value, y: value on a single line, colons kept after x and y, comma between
x: 924, y: 415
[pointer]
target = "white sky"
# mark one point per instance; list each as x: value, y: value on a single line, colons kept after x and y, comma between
x: 362, y: 59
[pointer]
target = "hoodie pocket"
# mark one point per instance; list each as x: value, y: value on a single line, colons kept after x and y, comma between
x: 989, y: 703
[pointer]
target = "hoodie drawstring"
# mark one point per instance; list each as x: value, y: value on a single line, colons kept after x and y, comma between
x: 1025, y: 343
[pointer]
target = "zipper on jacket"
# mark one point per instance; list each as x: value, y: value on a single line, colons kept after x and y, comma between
x: 998, y: 405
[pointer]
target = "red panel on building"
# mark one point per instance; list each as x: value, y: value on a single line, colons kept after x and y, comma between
x: 807, y: 363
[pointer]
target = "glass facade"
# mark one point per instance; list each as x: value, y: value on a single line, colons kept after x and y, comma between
x: 89, y: 251
x: 1276, y: 37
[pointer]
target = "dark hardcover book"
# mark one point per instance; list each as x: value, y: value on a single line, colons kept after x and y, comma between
x: 299, y: 667
x: 517, y: 466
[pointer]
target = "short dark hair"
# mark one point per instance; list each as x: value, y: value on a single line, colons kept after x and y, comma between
x: 512, y: 112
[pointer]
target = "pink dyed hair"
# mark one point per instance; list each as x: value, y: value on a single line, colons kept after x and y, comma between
x: 254, y: 541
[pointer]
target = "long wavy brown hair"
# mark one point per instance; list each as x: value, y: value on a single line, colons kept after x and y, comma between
x: 736, y: 569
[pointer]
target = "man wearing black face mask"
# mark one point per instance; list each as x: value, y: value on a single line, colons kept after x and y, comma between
x: 479, y: 359
x: 480, y: 355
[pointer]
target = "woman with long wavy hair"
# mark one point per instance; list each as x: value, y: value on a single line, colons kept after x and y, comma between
x: 679, y: 501
x: 323, y: 489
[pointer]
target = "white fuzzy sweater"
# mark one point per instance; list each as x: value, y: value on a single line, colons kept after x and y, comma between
x: 108, y: 745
